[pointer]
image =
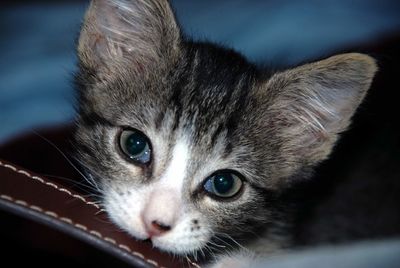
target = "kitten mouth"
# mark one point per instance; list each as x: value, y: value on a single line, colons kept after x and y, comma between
x: 147, y: 240
x: 177, y: 250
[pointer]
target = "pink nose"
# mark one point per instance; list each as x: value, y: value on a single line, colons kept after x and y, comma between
x: 160, y: 212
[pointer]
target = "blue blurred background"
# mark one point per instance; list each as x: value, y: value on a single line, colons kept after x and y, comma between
x: 37, y: 42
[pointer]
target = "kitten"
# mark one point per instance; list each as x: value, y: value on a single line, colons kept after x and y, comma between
x: 190, y: 144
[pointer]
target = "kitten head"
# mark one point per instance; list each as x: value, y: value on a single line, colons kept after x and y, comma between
x: 190, y: 143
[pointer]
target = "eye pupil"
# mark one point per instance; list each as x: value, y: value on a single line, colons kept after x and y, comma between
x: 223, y: 183
x: 136, y: 146
x: 135, y: 143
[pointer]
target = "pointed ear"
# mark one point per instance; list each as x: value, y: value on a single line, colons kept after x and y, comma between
x: 313, y: 103
x: 134, y: 34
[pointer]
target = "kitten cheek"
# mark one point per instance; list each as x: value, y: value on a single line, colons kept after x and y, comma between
x: 126, y: 221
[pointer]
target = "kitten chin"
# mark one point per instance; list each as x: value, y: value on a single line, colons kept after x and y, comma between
x: 192, y: 145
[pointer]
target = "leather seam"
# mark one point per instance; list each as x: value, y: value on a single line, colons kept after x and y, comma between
x: 79, y: 226
x: 50, y: 184
x: 67, y: 220
x: 64, y: 219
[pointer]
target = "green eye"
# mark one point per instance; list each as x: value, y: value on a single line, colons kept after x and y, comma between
x: 223, y: 184
x: 135, y: 145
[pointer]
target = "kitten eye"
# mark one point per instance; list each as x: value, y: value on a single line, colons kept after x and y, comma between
x: 135, y: 145
x: 223, y: 184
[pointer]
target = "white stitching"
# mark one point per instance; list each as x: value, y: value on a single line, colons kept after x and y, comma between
x: 65, y: 190
x: 112, y: 241
x: 21, y: 171
x: 9, y: 166
x: 93, y: 204
x: 20, y: 202
x: 81, y: 198
x: 95, y: 233
x: 66, y: 220
x: 152, y: 262
x: 36, y: 208
x: 51, y: 213
x: 37, y: 178
x: 140, y: 255
x: 80, y: 226
x: 6, y: 197
x: 124, y: 247
x: 52, y: 185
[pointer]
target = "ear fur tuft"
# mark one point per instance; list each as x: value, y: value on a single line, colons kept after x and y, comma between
x: 134, y: 34
x: 313, y: 103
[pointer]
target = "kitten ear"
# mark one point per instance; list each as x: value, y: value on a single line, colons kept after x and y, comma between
x: 314, y: 103
x: 135, y: 34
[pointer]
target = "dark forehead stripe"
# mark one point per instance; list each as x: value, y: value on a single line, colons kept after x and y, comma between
x: 180, y: 84
x: 216, y: 134
x: 231, y: 119
x: 220, y: 81
x: 209, y: 89
x: 239, y: 106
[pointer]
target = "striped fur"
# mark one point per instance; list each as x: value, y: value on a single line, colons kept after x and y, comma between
x: 137, y: 70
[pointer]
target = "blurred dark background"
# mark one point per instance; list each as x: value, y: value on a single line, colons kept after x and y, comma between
x: 37, y: 40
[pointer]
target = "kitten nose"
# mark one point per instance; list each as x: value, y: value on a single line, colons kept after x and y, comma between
x: 160, y: 212
x: 157, y: 228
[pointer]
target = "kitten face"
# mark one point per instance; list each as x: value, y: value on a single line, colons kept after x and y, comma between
x: 195, y: 128
x: 204, y: 114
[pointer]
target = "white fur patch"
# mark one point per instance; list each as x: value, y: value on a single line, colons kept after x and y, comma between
x: 125, y: 210
x: 160, y: 200
x: 176, y: 170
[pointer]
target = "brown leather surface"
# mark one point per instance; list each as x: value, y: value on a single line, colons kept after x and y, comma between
x: 47, y: 201
x: 20, y: 191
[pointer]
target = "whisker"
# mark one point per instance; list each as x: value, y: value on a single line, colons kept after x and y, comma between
x: 100, y: 211
x: 215, y: 244
x: 202, y: 253
x: 192, y: 263
x: 75, y: 183
x: 195, y: 255
x: 89, y: 178
x: 212, y: 250
x: 62, y: 154
x: 224, y: 242
x: 233, y: 240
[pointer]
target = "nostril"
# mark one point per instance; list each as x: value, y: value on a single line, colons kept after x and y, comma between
x: 160, y: 226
